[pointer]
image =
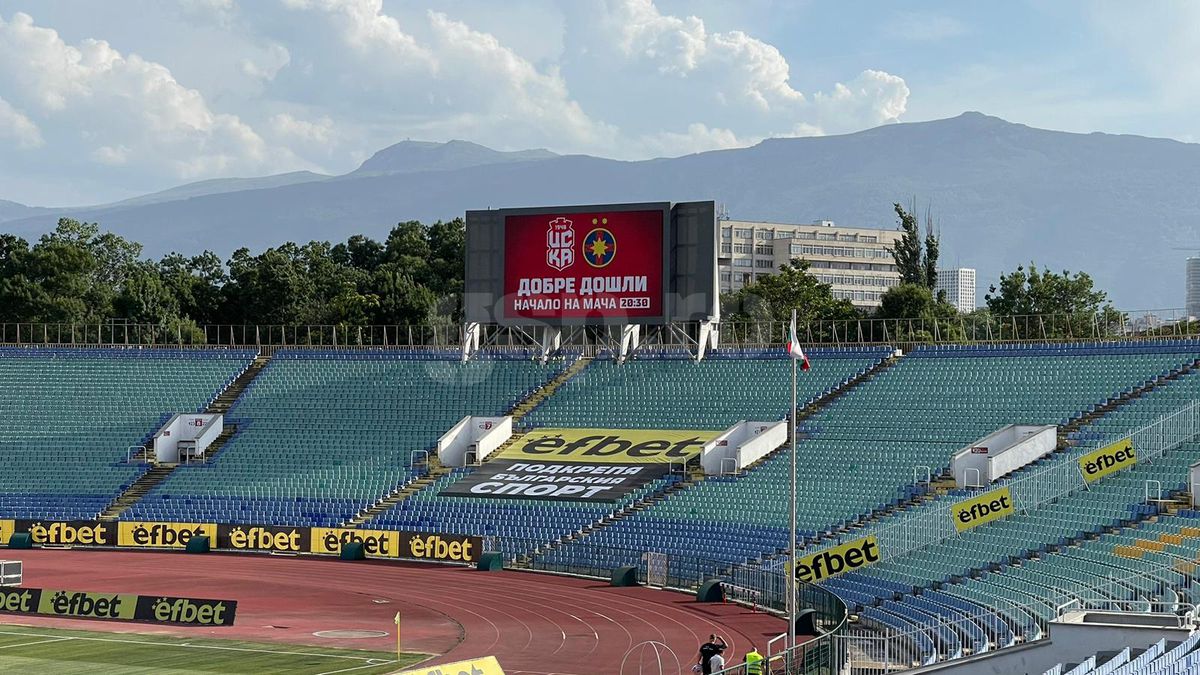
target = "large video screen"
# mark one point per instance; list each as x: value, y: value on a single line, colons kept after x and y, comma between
x: 584, y: 265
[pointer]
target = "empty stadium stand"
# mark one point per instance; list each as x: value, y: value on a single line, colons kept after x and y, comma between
x: 70, y: 415
x: 322, y: 434
x: 1162, y: 658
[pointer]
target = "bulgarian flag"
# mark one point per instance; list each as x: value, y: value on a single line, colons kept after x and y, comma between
x: 793, y: 346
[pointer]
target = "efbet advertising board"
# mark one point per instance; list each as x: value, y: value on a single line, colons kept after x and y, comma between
x: 609, y: 446
x: 276, y: 539
x: 985, y: 508
x: 602, y: 264
x: 834, y: 561
x: 394, y: 544
x: 117, y: 606
x: 555, y: 481
x: 1107, y: 460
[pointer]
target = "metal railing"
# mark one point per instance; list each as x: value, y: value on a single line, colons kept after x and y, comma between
x: 447, y: 333
x: 867, y: 647
x: 932, y: 524
x: 687, y: 573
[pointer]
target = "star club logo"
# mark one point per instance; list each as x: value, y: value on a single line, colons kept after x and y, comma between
x: 599, y: 246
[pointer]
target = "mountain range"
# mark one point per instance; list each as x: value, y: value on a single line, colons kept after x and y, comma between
x: 1119, y: 207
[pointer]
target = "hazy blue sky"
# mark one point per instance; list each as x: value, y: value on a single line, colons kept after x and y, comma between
x: 106, y: 100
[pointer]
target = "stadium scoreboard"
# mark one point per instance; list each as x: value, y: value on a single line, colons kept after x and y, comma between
x: 647, y: 263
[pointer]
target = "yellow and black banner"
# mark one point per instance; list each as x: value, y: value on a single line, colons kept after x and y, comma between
x: 267, y: 538
x: 982, y: 509
x: 1107, y: 460
x: 162, y: 535
x: 609, y: 446
x: 393, y: 544
x: 834, y: 561
x: 274, y: 538
x: 117, y: 606
x: 69, y: 532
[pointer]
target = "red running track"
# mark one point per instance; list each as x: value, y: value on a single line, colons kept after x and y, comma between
x: 535, y: 624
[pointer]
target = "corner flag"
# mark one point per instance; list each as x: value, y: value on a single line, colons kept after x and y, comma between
x: 793, y: 346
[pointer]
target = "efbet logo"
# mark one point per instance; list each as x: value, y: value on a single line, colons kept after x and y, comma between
x: 183, y: 610
x: 1107, y: 460
x: 175, y: 535
x: 599, y: 246
x: 90, y: 534
x: 263, y: 538
x: 93, y: 605
x: 375, y: 542
x: 17, y: 601
x: 560, y: 244
x: 834, y: 561
x: 983, y: 509
x: 437, y: 548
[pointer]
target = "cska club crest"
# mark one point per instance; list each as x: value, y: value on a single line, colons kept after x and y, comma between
x: 560, y: 244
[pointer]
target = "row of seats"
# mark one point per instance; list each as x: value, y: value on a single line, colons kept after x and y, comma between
x: 1161, y: 658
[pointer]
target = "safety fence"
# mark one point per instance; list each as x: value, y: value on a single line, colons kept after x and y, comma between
x: 869, y: 647
x: 934, y: 522
x: 445, y: 332
x: 752, y: 584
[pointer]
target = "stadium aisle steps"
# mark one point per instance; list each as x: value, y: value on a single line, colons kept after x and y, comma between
x: 219, y: 405
x: 435, y: 470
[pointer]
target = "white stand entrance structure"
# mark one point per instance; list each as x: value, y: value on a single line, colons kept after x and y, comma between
x: 742, y: 445
x: 186, y: 436
x: 473, y: 440
x: 1002, y: 452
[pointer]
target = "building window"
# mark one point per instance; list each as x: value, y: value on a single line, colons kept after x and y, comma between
x: 868, y: 238
x: 726, y: 277
x: 764, y: 234
x: 765, y: 264
x: 847, y: 237
x: 827, y: 236
x: 743, y: 262
x: 743, y: 248
x: 743, y: 233
x: 726, y: 249
x: 726, y: 234
x: 764, y: 250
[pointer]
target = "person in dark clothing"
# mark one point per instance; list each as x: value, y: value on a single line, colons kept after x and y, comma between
x: 715, y: 645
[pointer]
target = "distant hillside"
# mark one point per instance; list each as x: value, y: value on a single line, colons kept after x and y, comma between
x: 1004, y: 193
x: 12, y: 210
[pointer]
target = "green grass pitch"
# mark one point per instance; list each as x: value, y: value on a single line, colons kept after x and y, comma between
x: 24, y: 649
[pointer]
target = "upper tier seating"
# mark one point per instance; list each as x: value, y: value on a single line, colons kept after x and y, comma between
x: 1162, y: 658
x: 68, y: 417
x: 323, y: 434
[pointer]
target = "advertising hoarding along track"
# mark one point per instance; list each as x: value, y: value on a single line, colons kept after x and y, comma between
x: 117, y: 606
x: 395, y: 544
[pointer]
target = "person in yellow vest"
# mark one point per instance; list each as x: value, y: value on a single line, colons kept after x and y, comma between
x: 754, y: 662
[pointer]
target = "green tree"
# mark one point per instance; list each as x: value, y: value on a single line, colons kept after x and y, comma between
x: 918, y: 314
x: 773, y: 297
x: 914, y: 265
x: 1056, y: 305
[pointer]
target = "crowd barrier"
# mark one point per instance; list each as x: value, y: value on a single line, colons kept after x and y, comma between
x: 386, y: 544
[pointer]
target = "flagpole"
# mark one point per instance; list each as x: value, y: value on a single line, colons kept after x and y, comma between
x: 791, y: 604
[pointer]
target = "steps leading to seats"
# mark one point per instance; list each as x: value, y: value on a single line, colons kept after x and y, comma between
x: 535, y: 398
x: 435, y: 471
x: 435, y: 468
x: 159, y: 472
x: 696, y: 475
x: 136, y: 491
x: 224, y: 401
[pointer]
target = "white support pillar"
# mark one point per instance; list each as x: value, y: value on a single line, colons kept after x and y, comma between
x: 710, y: 334
x: 471, y: 337
x: 631, y: 337
x: 551, y: 341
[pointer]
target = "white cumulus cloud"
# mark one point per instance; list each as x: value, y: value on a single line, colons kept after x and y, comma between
x: 16, y: 126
